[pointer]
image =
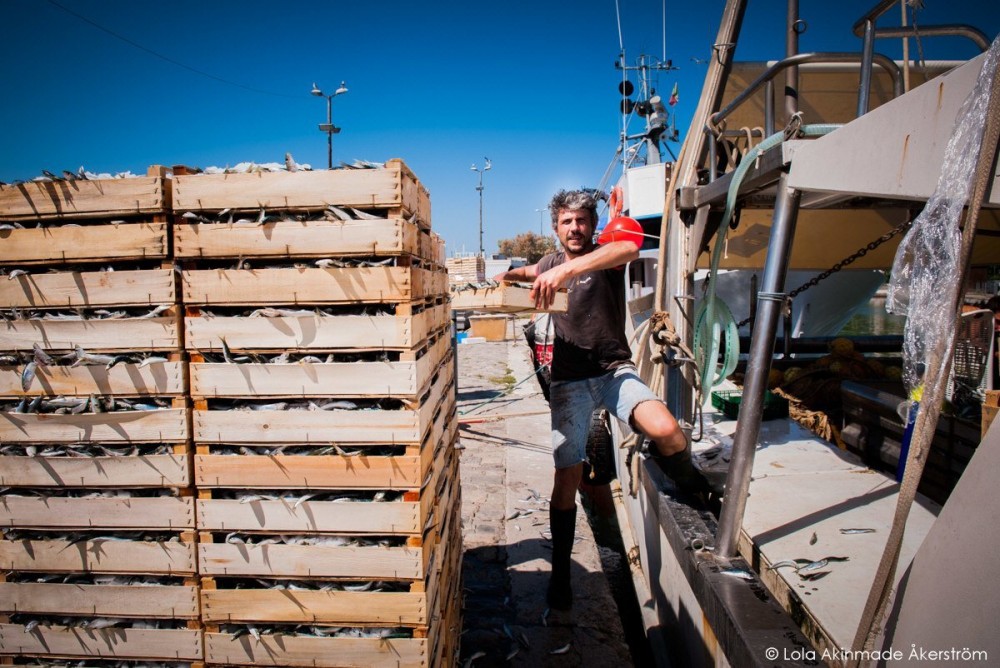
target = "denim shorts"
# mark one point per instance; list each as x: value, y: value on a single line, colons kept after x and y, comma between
x: 574, y: 401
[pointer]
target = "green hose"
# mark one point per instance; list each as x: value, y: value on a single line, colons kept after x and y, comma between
x: 714, y: 317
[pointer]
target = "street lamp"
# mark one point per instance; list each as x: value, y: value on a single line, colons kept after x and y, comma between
x: 329, y: 128
x: 541, y: 220
x: 485, y: 169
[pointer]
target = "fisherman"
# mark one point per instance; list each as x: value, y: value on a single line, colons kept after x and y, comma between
x: 592, y: 366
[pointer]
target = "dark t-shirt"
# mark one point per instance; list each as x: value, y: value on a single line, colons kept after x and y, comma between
x: 590, y: 337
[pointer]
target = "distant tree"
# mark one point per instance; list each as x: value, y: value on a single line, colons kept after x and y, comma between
x: 529, y: 245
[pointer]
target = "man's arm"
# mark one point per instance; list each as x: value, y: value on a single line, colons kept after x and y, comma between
x: 609, y: 255
x: 525, y: 273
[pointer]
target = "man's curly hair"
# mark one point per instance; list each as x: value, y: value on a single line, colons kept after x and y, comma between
x: 573, y: 200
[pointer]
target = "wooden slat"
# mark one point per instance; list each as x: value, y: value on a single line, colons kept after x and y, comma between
x: 391, y: 187
x: 322, y: 607
x: 282, y: 650
x: 334, y: 379
x: 74, y: 199
x: 504, y: 299
x: 168, y: 425
x: 314, y: 332
x: 89, y: 289
x: 349, y: 517
x: 164, y: 644
x: 98, y: 556
x: 110, y: 335
x: 296, y: 239
x: 304, y: 472
x: 323, y: 427
x: 305, y: 285
x: 166, y: 602
x: 159, y: 379
x: 97, y: 472
x: 89, y: 243
x: 150, y: 513
x: 310, y: 561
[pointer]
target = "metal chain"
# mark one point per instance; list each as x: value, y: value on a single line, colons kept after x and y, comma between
x: 860, y: 253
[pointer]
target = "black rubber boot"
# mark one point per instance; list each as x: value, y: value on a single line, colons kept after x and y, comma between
x: 685, y: 475
x: 562, y: 524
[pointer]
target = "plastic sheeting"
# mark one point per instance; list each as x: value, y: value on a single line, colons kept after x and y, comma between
x: 924, y: 285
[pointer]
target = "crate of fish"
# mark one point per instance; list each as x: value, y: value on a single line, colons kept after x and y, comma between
x: 82, y: 194
x: 127, y: 643
x: 388, y: 190
x: 392, y: 328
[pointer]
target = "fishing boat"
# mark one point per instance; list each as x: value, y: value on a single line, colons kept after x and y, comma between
x: 814, y: 170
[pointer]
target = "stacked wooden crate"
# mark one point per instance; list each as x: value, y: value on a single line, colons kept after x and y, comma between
x: 324, y: 417
x: 465, y: 270
x: 97, y: 509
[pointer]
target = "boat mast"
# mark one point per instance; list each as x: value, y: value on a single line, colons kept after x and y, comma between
x: 649, y: 105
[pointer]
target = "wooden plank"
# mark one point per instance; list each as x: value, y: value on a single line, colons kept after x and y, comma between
x: 347, y: 608
x: 83, y: 198
x: 70, y: 289
x: 285, y: 650
x: 303, y: 285
x: 310, y: 561
x: 335, y: 379
x: 305, y: 472
x: 167, y: 513
x: 86, y: 243
x: 158, y: 379
x: 388, y: 188
x: 97, y: 472
x: 297, y: 239
x: 52, y: 641
x: 110, y: 335
x: 99, y: 555
x: 323, y: 427
x: 348, y: 517
x: 504, y: 298
x: 163, y: 602
x: 168, y: 425
x: 315, y: 332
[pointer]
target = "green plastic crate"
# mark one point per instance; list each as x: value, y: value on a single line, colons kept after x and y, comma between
x: 728, y: 401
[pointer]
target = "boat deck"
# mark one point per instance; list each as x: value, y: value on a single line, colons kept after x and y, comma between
x: 803, y: 493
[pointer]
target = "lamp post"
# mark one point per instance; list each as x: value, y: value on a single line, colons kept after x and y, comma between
x: 541, y: 220
x: 482, y: 171
x: 329, y: 128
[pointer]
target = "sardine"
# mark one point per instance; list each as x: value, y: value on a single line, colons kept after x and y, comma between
x: 562, y: 650
x: 851, y: 532
x: 737, y: 573
x: 157, y: 311
x: 14, y: 274
x: 152, y: 360
x: 28, y: 375
x: 41, y: 357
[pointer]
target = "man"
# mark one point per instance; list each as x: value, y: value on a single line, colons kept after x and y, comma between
x: 591, y: 367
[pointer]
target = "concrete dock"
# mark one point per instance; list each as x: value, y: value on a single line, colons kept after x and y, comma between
x: 506, y: 470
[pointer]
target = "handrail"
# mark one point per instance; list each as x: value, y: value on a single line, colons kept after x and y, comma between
x: 872, y: 15
x: 884, y: 61
x: 972, y: 33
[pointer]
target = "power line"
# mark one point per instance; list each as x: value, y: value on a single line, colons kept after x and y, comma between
x: 167, y: 58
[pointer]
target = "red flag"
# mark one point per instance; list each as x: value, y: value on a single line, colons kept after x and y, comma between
x: 673, y: 96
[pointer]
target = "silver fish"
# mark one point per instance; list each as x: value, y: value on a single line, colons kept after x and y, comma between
x: 41, y: 357
x: 28, y: 375
x: 851, y: 532
x: 737, y: 573
x: 152, y: 360
x: 562, y: 650
x: 14, y: 274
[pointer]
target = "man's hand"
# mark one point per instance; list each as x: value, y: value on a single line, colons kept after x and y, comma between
x: 544, y: 289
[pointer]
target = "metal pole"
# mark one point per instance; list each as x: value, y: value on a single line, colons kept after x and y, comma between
x: 867, y: 54
x: 770, y: 302
x: 791, y: 49
x: 329, y: 132
x: 480, y: 189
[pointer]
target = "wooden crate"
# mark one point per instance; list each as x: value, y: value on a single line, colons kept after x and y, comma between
x: 505, y: 298
x: 138, y: 471
x: 302, y: 239
x: 86, y: 198
x: 351, y: 285
x: 105, y: 336
x: 157, y: 379
x: 408, y: 328
x: 288, y: 650
x: 362, y: 472
x: 168, y: 425
x: 407, y: 378
x: 161, y: 513
x: 393, y: 190
x: 114, y: 241
x: 110, y: 643
x: 99, y: 555
x: 117, y: 601
x: 404, y: 426
x: 73, y: 289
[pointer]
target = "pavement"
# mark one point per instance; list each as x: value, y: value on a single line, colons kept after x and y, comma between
x: 506, y: 473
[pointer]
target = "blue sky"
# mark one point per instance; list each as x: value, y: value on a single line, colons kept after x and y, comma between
x: 531, y: 85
